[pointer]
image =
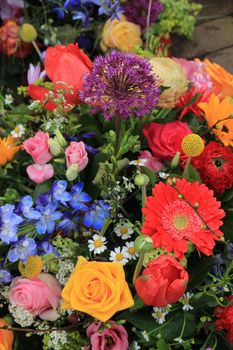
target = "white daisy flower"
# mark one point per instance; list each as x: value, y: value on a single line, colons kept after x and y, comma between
x: 131, y: 250
x: 185, y: 301
x: 119, y: 255
x: 97, y: 244
x: 139, y: 162
x: 8, y: 99
x: 18, y: 131
x: 159, y: 314
x: 123, y: 230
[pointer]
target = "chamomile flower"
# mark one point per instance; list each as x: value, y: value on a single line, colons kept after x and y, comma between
x: 123, y: 230
x: 97, y: 244
x: 159, y: 314
x: 8, y: 99
x: 185, y: 301
x: 119, y: 255
x: 138, y: 162
x: 18, y: 131
x: 133, y: 255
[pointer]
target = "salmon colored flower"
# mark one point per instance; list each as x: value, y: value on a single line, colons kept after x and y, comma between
x: 97, y: 288
x: 10, y: 41
x: 6, y: 337
x: 223, y: 80
x: 65, y: 66
x: 7, y: 150
x: 218, y: 116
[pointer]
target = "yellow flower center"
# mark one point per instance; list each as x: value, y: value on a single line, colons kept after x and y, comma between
x: 131, y: 250
x: 98, y: 243
x: 180, y: 222
x: 192, y: 145
x: 123, y: 230
x: 119, y: 256
x: 32, y: 268
x: 158, y: 314
x: 17, y: 129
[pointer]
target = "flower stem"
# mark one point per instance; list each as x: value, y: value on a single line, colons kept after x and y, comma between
x: 138, y: 267
x: 118, y: 132
x: 148, y: 23
x: 37, y: 50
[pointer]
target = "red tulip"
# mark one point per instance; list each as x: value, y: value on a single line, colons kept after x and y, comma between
x: 65, y: 66
x: 162, y: 282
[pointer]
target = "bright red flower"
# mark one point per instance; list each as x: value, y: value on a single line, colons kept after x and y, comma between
x: 188, y: 95
x: 65, y: 66
x: 225, y: 319
x: 215, y: 166
x: 172, y: 222
x: 163, y: 282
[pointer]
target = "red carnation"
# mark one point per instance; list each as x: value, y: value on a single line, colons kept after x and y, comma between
x: 215, y: 166
x: 65, y: 66
x: 172, y: 222
x: 163, y: 282
x: 225, y: 319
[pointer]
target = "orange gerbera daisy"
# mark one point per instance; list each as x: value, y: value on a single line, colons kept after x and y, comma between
x: 223, y: 80
x: 7, y: 150
x: 218, y: 116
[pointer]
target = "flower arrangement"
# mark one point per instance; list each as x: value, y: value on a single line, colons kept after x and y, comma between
x: 116, y: 188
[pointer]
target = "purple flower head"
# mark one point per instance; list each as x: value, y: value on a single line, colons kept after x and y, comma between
x: 121, y: 84
x: 136, y: 11
x: 34, y: 73
x: 24, y: 248
x: 10, y: 8
x: 5, y: 276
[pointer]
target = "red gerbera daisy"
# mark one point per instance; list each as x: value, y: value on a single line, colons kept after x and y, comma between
x: 225, y: 319
x: 215, y: 166
x: 172, y: 222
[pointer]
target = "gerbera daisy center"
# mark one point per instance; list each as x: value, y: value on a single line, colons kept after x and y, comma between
x: 180, y: 221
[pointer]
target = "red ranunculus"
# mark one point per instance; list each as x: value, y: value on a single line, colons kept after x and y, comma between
x: 225, y: 319
x: 65, y: 66
x: 165, y: 139
x: 162, y: 282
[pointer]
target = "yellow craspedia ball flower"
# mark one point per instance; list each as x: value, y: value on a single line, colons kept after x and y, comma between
x: 28, y: 33
x: 192, y: 145
x: 32, y: 268
x: 120, y: 34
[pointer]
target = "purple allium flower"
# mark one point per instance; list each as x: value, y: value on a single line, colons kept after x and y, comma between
x: 121, y: 84
x: 136, y: 11
x: 10, y: 8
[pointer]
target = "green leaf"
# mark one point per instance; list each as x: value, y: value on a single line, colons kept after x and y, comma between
x: 150, y: 173
x: 198, y: 269
x: 138, y: 304
x: 191, y: 174
x: 162, y: 345
x: 226, y: 228
x: 42, y: 188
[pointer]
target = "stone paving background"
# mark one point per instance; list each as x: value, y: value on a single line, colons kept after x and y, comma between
x: 213, y: 36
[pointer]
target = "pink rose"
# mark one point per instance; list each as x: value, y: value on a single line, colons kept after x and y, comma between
x: 38, y: 147
x: 165, y: 139
x: 76, y: 154
x: 39, y: 296
x: 40, y: 173
x: 114, y: 338
x: 189, y: 67
x: 151, y: 162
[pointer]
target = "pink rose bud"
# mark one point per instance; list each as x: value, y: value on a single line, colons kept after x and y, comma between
x: 39, y: 296
x: 151, y: 162
x: 38, y: 147
x: 40, y: 173
x: 76, y: 154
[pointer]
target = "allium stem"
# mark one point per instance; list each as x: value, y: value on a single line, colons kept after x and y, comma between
x: 148, y: 23
x: 37, y: 50
x: 118, y: 134
x: 138, y: 267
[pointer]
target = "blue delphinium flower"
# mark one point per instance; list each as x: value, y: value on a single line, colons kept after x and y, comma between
x: 97, y: 215
x: 68, y: 223
x: 5, y: 276
x: 45, y: 247
x: 59, y: 191
x: 24, y: 248
x: 9, y: 222
x: 79, y: 198
x: 25, y: 208
x: 111, y: 8
x: 49, y: 215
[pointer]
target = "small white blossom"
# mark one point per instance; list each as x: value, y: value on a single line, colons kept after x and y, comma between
x: 97, y: 244
x: 139, y: 162
x: 163, y: 175
x: 8, y: 99
x: 65, y: 268
x: 18, y: 131
x: 35, y: 105
x: 159, y: 314
x: 133, y: 255
x: 119, y: 255
x: 123, y: 230
x: 136, y: 346
x: 145, y: 335
x: 20, y: 315
x: 179, y: 340
x: 57, y: 340
x: 185, y: 301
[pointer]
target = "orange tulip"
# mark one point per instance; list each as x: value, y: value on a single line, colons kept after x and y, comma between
x: 7, y: 150
x: 223, y: 80
x: 6, y: 337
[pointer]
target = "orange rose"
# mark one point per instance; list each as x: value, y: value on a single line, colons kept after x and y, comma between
x: 97, y: 288
x: 120, y: 34
x: 6, y: 337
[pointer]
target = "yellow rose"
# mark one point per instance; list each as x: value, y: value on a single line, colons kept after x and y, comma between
x: 6, y: 337
x: 120, y: 34
x: 97, y: 288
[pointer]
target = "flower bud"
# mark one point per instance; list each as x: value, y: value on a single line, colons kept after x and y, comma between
x: 60, y: 139
x: 175, y: 161
x: 54, y: 146
x: 28, y: 33
x: 141, y: 180
x: 143, y: 244
x: 72, y: 172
